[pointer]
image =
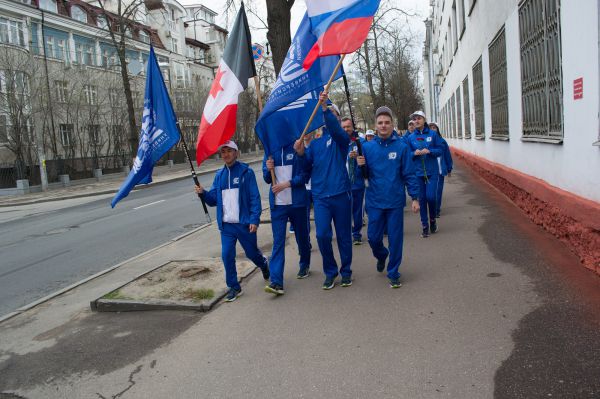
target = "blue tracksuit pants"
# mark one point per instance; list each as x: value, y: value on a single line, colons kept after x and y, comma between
x: 280, y: 215
x: 428, y: 198
x: 338, y: 209
x: 230, y: 235
x: 357, y: 212
x: 394, y: 219
x: 439, y: 195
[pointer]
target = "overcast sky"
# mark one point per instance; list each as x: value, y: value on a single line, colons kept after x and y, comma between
x: 419, y: 7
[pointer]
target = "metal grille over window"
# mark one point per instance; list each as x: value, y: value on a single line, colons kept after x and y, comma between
x: 541, y: 74
x: 458, y: 114
x: 466, y: 106
x: 499, y: 87
x: 478, y: 97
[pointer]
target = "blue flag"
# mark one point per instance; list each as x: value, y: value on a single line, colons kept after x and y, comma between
x: 159, y: 130
x: 296, y: 93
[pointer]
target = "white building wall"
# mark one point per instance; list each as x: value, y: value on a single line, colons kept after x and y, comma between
x: 574, y: 165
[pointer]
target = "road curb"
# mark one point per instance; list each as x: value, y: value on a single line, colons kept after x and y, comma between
x: 113, y: 191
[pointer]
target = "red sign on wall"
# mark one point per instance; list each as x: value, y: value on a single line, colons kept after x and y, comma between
x: 578, y: 89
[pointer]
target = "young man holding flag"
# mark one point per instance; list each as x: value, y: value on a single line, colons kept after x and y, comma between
x: 288, y: 201
x: 325, y: 161
x: 235, y: 194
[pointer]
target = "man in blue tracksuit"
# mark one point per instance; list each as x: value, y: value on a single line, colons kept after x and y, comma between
x: 445, y: 166
x: 390, y: 167
x: 287, y: 200
x: 235, y: 194
x: 326, y: 163
x: 426, y: 148
x: 357, y: 181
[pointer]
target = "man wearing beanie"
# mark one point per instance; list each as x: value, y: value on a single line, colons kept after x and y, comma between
x: 390, y: 168
x: 426, y: 148
x: 325, y: 161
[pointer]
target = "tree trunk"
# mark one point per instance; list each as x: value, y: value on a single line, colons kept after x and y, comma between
x: 378, y: 66
x: 133, y: 134
x: 278, y: 35
x: 368, y: 71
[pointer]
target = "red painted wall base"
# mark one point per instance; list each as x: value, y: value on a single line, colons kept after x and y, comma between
x: 572, y: 219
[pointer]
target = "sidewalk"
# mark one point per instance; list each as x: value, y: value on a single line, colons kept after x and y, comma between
x: 110, y: 183
x: 491, y: 307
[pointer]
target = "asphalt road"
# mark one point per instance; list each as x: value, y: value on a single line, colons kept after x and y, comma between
x: 52, y: 245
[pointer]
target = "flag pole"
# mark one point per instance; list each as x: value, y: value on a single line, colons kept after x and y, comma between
x: 194, y: 176
x: 260, y: 108
x: 354, y: 135
x: 312, y: 116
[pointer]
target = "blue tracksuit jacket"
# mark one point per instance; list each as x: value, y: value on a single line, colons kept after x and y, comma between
x: 326, y: 160
x: 241, y: 176
x: 356, y: 178
x: 390, y: 167
x: 430, y: 140
x: 287, y: 156
x: 446, y: 158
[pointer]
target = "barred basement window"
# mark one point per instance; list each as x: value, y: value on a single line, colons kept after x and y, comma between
x: 453, y: 117
x: 459, y: 133
x: 499, y: 87
x: 467, y: 108
x: 541, y: 74
x: 478, y: 97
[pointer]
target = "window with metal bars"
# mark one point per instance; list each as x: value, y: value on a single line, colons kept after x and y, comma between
x: 459, y: 133
x: 541, y: 72
x: 499, y: 86
x: 467, y: 108
x: 478, y: 99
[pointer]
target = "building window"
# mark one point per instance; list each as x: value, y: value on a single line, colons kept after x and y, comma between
x: 499, y: 87
x: 453, y: 116
x: 541, y: 74
x: 463, y: 18
x: 114, y: 96
x: 174, y: 45
x: 48, y: 5
x: 144, y: 37
x: 77, y: 13
x: 454, y: 27
x: 79, y: 53
x: 11, y: 32
x: 459, y: 133
x: 91, y: 94
x: 94, y: 134
x: 61, y: 90
x: 66, y: 134
x: 102, y: 22
x: 179, y: 75
x: 467, y: 108
x: 478, y: 99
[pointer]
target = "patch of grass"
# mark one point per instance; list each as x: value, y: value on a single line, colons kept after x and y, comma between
x: 201, y: 294
x: 115, y: 295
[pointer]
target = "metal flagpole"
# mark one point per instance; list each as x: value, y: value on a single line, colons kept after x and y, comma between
x: 194, y: 176
x: 260, y: 108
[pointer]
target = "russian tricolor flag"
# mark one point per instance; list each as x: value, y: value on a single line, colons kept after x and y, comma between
x: 341, y: 26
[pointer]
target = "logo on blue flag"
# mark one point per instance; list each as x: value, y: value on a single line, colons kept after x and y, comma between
x: 159, y: 130
x: 295, y: 94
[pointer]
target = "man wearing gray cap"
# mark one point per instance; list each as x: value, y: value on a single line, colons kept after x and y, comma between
x: 426, y: 148
x: 390, y: 168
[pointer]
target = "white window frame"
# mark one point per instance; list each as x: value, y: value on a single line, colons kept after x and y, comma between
x: 91, y: 94
x: 103, y: 24
x: 48, y: 5
x: 79, y: 14
x: 61, y: 89
x: 65, y: 131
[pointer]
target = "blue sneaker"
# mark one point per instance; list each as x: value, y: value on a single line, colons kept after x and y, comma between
x: 233, y: 294
x: 395, y: 283
x: 381, y: 265
x: 329, y: 283
x: 425, y: 232
x: 357, y: 241
x: 303, y: 273
x: 292, y: 231
x: 265, y: 269
x: 346, y: 281
x: 274, y: 289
